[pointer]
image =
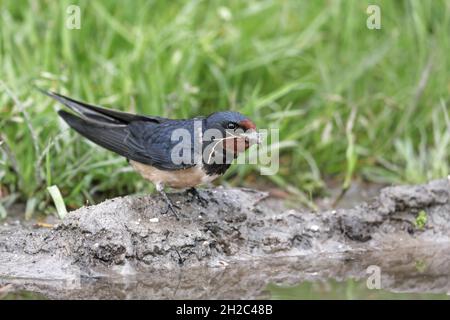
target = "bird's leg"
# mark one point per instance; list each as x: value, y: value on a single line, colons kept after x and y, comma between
x: 194, y: 192
x: 170, y: 206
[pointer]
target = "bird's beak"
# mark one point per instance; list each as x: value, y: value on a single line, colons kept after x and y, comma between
x: 251, y: 136
x: 242, y: 140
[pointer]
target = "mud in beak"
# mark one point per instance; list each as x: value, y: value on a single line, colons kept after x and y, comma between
x: 238, y: 142
x: 251, y: 137
x: 242, y: 138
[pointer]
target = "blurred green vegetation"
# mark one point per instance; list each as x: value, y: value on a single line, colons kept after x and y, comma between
x: 350, y: 102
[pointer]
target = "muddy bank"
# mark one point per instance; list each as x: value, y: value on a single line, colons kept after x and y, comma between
x: 124, y: 237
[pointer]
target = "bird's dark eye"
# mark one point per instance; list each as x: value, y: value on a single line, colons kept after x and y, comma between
x: 231, y: 125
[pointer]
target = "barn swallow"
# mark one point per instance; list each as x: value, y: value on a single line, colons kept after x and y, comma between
x: 148, y: 142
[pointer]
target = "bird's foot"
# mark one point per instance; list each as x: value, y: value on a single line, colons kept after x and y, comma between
x: 170, y: 205
x: 172, y: 208
x: 194, y: 192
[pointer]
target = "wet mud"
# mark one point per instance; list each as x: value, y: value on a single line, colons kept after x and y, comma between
x: 231, y: 247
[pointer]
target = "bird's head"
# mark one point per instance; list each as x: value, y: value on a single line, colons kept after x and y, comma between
x: 237, y: 131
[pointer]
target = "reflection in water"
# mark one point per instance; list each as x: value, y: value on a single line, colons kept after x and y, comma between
x: 415, y: 272
x: 349, y: 289
x: 22, y: 295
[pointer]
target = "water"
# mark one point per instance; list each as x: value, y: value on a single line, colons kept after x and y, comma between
x: 349, y: 290
x: 417, y: 272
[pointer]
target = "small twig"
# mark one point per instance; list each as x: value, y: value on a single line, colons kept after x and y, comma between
x: 43, y: 225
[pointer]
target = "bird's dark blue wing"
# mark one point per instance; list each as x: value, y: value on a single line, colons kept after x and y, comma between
x: 142, y: 141
x: 161, y: 145
x: 145, y: 139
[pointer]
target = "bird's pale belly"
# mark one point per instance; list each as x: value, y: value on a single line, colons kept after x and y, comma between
x: 184, y: 178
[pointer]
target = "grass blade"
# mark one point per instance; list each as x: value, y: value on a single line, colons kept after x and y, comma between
x: 58, y: 201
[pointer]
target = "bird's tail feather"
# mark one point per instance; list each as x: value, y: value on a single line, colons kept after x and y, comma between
x: 98, y: 113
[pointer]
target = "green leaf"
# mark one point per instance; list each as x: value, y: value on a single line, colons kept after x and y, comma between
x: 421, y: 219
x: 30, y: 207
x: 58, y: 200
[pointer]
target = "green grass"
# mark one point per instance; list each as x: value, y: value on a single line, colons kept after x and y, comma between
x: 350, y: 102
